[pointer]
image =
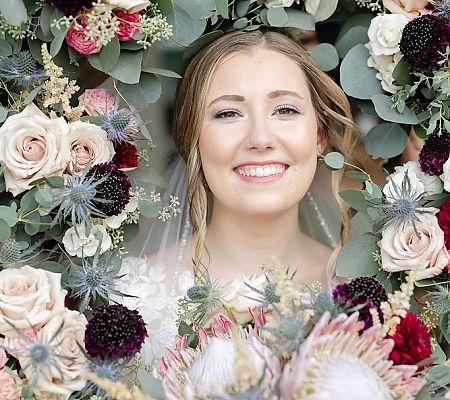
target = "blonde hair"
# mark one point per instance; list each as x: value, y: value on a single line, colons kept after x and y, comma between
x: 332, y: 108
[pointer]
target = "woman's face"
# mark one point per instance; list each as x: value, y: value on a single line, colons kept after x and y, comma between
x: 259, y: 140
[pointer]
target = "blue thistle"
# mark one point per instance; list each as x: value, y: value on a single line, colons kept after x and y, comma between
x: 22, y: 70
x: 94, y: 281
x: 14, y: 254
x: 442, y: 9
x: 120, y: 124
x: 403, y: 208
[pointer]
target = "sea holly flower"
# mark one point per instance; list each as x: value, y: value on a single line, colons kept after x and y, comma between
x: 22, y: 69
x: 14, y: 254
x: 114, y: 331
x: 120, y: 124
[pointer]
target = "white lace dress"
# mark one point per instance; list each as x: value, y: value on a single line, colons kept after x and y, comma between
x: 156, y: 292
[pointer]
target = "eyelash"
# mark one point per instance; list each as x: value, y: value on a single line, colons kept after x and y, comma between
x: 222, y: 114
x: 284, y: 107
x: 287, y: 107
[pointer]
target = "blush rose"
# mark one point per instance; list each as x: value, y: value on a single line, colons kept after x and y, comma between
x: 128, y: 25
x: 406, y: 248
x: 97, y: 102
x: 78, y: 39
x: 408, y: 8
x: 10, y: 385
x: 29, y: 297
x: 32, y: 146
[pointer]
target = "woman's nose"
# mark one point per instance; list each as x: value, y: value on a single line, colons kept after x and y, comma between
x: 260, y: 135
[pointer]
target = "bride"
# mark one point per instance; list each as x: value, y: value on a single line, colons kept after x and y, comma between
x: 252, y: 113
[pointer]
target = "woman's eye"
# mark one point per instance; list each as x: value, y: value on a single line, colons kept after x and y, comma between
x: 286, y: 110
x: 226, y: 114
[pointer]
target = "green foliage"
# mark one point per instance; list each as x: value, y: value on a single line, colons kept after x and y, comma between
x: 385, y: 140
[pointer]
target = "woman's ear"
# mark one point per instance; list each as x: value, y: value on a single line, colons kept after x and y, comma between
x: 321, y: 143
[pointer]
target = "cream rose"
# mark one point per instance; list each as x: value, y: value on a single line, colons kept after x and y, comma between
x: 10, y: 385
x: 97, y: 102
x: 116, y: 220
x: 29, y: 297
x: 88, y: 143
x: 311, y: 6
x: 78, y: 244
x: 406, y: 248
x: 385, y: 66
x: 32, y: 146
x: 239, y: 296
x: 70, y: 361
x: 132, y: 6
x: 446, y: 175
x: 385, y: 32
x: 409, y: 8
x: 420, y: 182
x: 278, y: 3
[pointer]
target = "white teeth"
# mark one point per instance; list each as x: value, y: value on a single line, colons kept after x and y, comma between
x: 268, y: 170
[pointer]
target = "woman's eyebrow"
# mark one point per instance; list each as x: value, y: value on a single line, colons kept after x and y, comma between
x: 227, y: 97
x: 280, y: 93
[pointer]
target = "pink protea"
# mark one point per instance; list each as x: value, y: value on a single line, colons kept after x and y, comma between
x: 336, y: 362
x: 211, y: 368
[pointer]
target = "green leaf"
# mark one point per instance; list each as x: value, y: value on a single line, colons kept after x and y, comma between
x: 51, y: 266
x: 156, y: 178
x: 334, y: 160
x: 32, y: 227
x: 3, y: 114
x: 109, y: 54
x: 325, y: 56
x: 13, y: 11
x: 44, y: 197
x: 357, y: 176
x: 383, y: 106
x: 222, y: 8
x: 299, y: 19
x: 150, y: 386
x: 325, y: 9
x: 354, y: 198
x: 357, y: 79
x: 277, y: 16
x: 424, y: 394
x: 354, y: 36
x: 45, y: 21
x: 242, y: 7
x: 130, y: 231
x: 127, y: 68
x: 374, y: 190
x: 385, y: 140
x: 165, y: 6
x: 140, y: 95
x: 5, y: 231
x: 356, y: 257
x: 5, y: 49
x: 402, y: 73
x: 439, y: 375
x: 187, y: 20
x: 28, y: 202
x: 201, y: 42
x: 30, y: 96
x: 148, y: 209
x: 9, y: 214
x: 160, y: 71
x: 241, y: 23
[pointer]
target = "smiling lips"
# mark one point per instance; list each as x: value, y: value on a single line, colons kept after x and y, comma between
x: 261, y: 170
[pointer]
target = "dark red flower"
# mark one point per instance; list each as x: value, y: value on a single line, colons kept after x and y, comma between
x: 72, y: 7
x: 126, y: 156
x: 443, y: 217
x: 434, y: 153
x: 412, y: 341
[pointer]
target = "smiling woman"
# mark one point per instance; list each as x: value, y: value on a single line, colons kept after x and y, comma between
x: 252, y: 112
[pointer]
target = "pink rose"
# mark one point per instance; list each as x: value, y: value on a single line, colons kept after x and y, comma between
x: 409, y: 8
x: 128, y: 25
x: 3, y: 356
x: 10, y: 385
x: 78, y: 39
x: 97, y: 102
x: 406, y: 248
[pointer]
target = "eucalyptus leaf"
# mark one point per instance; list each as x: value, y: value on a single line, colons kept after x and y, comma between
x: 357, y: 79
x: 45, y: 198
x: 13, y: 11
x: 402, y: 73
x: 160, y: 71
x: 5, y: 49
x: 242, y: 7
x: 51, y: 266
x: 222, y: 8
x: 439, y: 375
x: 383, y: 106
x: 334, y: 160
x: 144, y: 92
x: 130, y: 231
x: 9, y: 215
x: 277, y: 16
x: 165, y: 6
x: 424, y: 394
x: 325, y: 9
x: 30, y: 96
x: 385, y: 140
x: 241, y: 23
x: 127, y: 68
x: 156, y: 178
x: 354, y: 36
x: 148, y: 209
x: 5, y: 230
x: 201, y: 42
x: 109, y: 54
x: 150, y: 386
x: 298, y: 19
x: 32, y: 227
x: 354, y: 198
x: 358, y: 176
x: 45, y: 21
x: 57, y: 42
x: 325, y: 56
x: 28, y: 202
x: 356, y: 257
x: 3, y: 114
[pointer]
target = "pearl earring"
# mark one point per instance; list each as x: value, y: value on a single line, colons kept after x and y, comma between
x: 319, y: 152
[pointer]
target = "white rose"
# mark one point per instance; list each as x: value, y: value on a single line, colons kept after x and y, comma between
x: 132, y: 6
x: 311, y: 6
x: 115, y: 221
x: 239, y: 296
x: 385, y: 32
x: 408, y: 8
x: 385, y: 66
x: 88, y: 143
x: 10, y: 385
x: 29, y: 297
x: 77, y: 244
x: 32, y: 146
x: 278, y: 3
x: 446, y: 175
x: 69, y: 362
x: 406, y: 248
x: 420, y: 182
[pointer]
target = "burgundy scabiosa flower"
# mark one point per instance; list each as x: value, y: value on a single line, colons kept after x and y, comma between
x: 434, y: 153
x: 113, y: 188
x: 72, y: 7
x: 114, y: 331
x: 363, y: 290
x: 424, y: 41
x: 412, y: 341
x: 443, y: 217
